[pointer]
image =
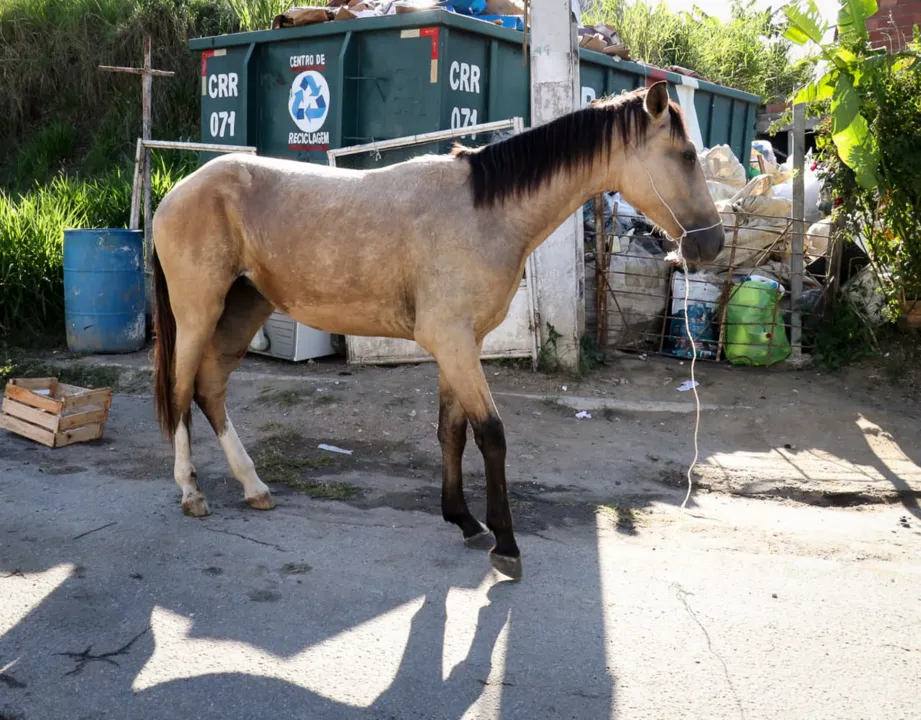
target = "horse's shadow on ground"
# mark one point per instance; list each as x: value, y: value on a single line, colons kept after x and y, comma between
x: 417, y: 691
x: 530, y: 655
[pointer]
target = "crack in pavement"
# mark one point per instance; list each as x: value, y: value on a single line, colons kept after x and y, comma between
x: 683, y: 596
x: 90, y: 532
x: 86, y: 657
x: 246, y: 537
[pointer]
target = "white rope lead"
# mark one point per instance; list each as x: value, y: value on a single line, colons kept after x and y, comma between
x: 687, y: 323
x: 687, y: 327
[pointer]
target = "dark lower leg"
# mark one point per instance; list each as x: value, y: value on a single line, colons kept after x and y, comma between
x: 452, y: 434
x: 458, y: 356
x: 490, y: 438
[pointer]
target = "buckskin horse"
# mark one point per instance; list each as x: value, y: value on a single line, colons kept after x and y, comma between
x: 431, y: 249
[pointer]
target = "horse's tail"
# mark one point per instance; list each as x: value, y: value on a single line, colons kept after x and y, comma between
x: 164, y: 349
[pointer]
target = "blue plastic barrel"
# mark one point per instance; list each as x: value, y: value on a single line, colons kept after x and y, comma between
x: 104, y: 302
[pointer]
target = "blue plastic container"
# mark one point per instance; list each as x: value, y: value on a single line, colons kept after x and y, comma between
x: 104, y: 301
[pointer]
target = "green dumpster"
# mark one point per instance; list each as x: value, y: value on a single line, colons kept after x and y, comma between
x: 298, y: 92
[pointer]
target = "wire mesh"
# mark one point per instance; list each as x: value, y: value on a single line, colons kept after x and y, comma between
x: 740, y: 306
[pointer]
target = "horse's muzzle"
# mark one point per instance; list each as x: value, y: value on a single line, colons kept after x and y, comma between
x: 703, y: 245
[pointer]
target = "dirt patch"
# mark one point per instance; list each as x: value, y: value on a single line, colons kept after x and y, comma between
x: 289, y: 458
x: 295, y: 569
x: 17, y: 365
x: 799, y: 436
x: 535, y: 507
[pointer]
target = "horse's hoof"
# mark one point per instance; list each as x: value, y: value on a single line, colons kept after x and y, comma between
x: 481, y: 540
x: 195, y: 505
x: 508, y: 566
x: 262, y: 501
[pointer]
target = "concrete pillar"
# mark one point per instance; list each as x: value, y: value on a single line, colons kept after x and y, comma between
x: 560, y: 260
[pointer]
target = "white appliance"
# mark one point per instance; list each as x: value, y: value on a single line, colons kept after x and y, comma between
x: 284, y: 338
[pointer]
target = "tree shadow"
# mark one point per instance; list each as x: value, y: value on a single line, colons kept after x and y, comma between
x: 863, y: 457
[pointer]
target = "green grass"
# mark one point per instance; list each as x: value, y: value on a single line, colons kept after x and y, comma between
x: 625, y: 518
x: 280, y: 458
x: 746, y: 52
x: 287, y: 398
x: 32, y: 228
x: 14, y: 364
x: 258, y: 14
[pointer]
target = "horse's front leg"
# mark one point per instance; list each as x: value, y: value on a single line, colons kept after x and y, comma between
x: 452, y: 435
x: 458, y: 359
x: 489, y: 434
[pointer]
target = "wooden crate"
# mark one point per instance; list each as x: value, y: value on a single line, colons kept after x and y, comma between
x: 54, y: 413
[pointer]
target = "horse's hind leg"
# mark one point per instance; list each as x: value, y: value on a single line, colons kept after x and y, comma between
x: 245, y: 309
x: 458, y: 359
x: 192, y: 336
x: 452, y: 435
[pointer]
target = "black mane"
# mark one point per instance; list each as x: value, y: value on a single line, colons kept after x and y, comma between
x: 523, y: 163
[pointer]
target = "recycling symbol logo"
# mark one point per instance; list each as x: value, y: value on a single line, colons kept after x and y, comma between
x: 308, y: 101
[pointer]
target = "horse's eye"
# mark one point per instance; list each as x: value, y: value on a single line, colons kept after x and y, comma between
x: 690, y: 157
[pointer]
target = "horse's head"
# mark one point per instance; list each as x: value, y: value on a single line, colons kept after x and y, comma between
x: 662, y: 177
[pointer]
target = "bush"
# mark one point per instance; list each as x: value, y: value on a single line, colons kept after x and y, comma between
x: 31, y: 245
x: 68, y: 130
x: 746, y: 53
x: 50, y: 51
x: 32, y: 240
x: 888, y: 216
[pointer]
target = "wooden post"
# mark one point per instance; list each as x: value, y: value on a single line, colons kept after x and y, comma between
x: 833, y: 264
x: 135, y: 221
x: 142, y: 156
x: 799, y: 229
x: 146, y: 124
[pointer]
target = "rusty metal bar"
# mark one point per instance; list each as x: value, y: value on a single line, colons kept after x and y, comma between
x: 601, y: 305
x: 724, y: 301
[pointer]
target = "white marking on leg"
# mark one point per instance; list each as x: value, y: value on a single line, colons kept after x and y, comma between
x: 241, y: 465
x: 183, y: 470
x: 193, y: 500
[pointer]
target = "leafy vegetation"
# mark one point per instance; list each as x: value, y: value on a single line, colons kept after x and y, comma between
x: 842, y: 338
x: 855, y: 75
x: 68, y: 130
x: 868, y: 144
x: 748, y: 52
x: 32, y: 228
x: 870, y: 140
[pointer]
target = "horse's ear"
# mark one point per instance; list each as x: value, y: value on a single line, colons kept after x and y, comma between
x: 656, y: 102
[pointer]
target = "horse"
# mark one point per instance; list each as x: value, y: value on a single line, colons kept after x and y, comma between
x: 430, y: 249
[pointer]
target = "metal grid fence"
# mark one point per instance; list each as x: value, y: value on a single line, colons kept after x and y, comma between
x: 635, y: 295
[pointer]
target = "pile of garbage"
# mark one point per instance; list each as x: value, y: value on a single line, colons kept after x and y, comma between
x: 508, y: 13
x: 603, y: 38
x: 748, y: 282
